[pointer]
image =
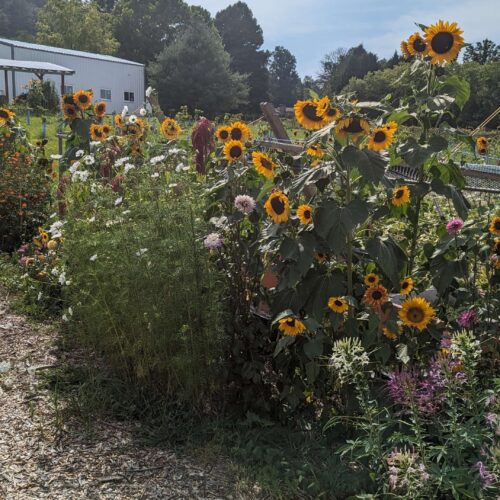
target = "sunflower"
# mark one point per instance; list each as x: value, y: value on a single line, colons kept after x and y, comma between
x: 45, y: 237
x: 331, y: 114
x: 320, y: 257
x: 416, y: 45
x: 315, y: 150
x: 70, y: 111
x: 100, y: 109
x: 5, y: 116
x: 233, y: 151
x: 406, y: 286
x: 444, y: 41
x: 170, y: 129
x: 391, y: 126
x: 404, y: 50
x: 481, y: 141
x: 352, y: 127
x: 381, y: 138
x: 118, y: 121
x: 371, y: 279
x: 264, y: 164
x: 68, y: 99
x: 96, y: 133
x: 416, y: 312
x: 495, y: 226
x: 106, y: 129
x: 400, y: 196
x: 239, y: 131
x: 495, y: 253
x: 390, y: 334
x: 291, y: 326
x: 322, y: 105
x: 277, y: 207
x: 83, y: 99
x: 222, y: 134
x: 304, y: 213
x: 376, y: 295
x: 338, y: 304
x: 306, y: 113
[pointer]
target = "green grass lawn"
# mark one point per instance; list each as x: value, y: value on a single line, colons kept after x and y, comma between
x: 35, y: 130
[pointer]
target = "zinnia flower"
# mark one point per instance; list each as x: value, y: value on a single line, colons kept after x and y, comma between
x: 454, y: 226
x: 213, y: 240
x: 244, y: 203
x: 466, y: 318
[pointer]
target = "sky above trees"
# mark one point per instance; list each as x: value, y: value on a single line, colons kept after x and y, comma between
x: 311, y: 28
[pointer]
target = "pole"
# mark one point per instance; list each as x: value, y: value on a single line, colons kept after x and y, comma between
x: 7, y: 85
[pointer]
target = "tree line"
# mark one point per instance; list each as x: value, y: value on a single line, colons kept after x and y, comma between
x: 218, y: 63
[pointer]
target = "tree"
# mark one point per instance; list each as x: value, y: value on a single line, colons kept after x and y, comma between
x: 393, y: 61
x: 195, y: 71
x: 482, y: 52
x: 74, y: 24
x: 284, y: 80
x: 242, y: 37
x: 309, y: 84
x: 145, y: 27
x: 340, y: 66
x: 105, y: 5
x: 18, y: 18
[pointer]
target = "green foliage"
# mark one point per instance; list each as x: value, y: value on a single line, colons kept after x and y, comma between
x: 18, y: 18
x: 482, y: 52
x: 285, y: 81
x: 41, y: 96
x: 74, y: 24
x: 195, y: 70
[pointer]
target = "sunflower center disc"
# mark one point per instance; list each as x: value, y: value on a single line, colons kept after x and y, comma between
x: 399, y: 193
x: 354, y: 127
x: 309, y: 111
x: 442, y: 43
x: 236, y: 134
x: 415, y: 315
x: 235, y: 152
x: 224, y: 134
x: 266, y: 163
x: 278, y: 205
x: 497, y: 225
x: 290, y: 322
x: 3, y: 114
x: 379, y: 136
x: 338, y: 303
x: 307, y: 214
x: 376, y: 295
x: 419, y: 45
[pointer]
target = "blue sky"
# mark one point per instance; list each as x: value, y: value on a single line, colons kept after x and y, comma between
x: 311, y: 28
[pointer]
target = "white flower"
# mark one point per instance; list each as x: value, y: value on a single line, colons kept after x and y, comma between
x: 55, y: 157
x: 121, y: 161
x: 172, y: 185
x: 156, y: 159
x: 40, y: 294
x: 124, y: 111
x: 74, y: 167
x: 118, y: 201
x: 80, y: 175
x: 93, y: 258
x: 89, y: 160
x: 65, y: 318
x: 179, y: 167
x: 94, y: 144
x: 92, y: 219
x: 70, y: 310
x: 79, y: 153
x: 128, y: 167
x: 143, y: 112
x: 149, y: 91
x: 54, y: 229
x: 213, y: 240
x: 62, y: 278
x: 155, y: 175
x: 125, y: 212
x: 141, y: 252
x: 132, y: 119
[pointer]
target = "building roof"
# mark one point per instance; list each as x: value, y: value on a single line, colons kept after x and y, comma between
x: 35, y: 67
x: 69, y: 52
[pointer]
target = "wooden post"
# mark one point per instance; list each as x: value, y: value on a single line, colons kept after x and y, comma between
x: 274, y: 120
x: 62, y: 84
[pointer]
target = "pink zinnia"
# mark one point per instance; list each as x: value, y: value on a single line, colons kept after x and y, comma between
x: 454, y: 226
x: 244, y: 203
x: 466, y: 318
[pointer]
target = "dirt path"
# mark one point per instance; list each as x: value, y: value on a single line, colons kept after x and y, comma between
x: 38, y: 460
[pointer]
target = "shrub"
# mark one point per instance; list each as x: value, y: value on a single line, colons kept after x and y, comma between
x: 41, y: 96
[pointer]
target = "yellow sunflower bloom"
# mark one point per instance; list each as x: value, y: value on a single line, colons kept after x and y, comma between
x: 83, y: 99
x: 118, y: 121
x: 233, y: 150
x: 264, y: 164
x: 306, y: 113
x: 406, y: 286
x: 68, y: 99
x: 381, y: 138
x: 444, y: 41
x: 322, y: 105
x: 400, y: 196
x: 416, y: 45
x: 222, y: 134
x: 291, y: 326
x: 404, y: 50
x: 45, y: 237
x: 392, y: 335
x: 106, y: 129
x: 315, y: 150
x: 170, y: 129
x: 371, y: 279
x: 70, y: 112
x: 338, y: 304
x: 304, y: 213
x: 239, y: 131
x: 375, y: 295
x: 393, y: 126
x: 495, y: 226
x: 352, y: 128
x: 277, y: 207
x: 332, y: 114
x: 96, y: 133
x: 5, y: 116
x: 100, y: 109
x: 416, y: 313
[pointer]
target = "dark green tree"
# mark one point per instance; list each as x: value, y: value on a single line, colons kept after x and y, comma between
x: 145, y: 27
x: 18, y: 18
x: 393, y: 61
x: 284, y: 79
x: 482, y: 52
x: 242, y: 38
x: 340, y: 66
x: 105, y: 5
x: 195, y: 71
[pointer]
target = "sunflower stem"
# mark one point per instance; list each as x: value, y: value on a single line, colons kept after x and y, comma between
x: 349, y: 237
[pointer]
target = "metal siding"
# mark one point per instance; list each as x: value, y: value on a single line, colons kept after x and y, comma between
x: 89, y: 74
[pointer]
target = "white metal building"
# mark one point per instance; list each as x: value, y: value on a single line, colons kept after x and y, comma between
x: 117, y: 81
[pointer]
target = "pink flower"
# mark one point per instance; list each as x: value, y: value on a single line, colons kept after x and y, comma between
x: 213, y: 240
x: 244, y: 203
x: 22, y: 261
x: 454, y: 226
x: 467, y: 318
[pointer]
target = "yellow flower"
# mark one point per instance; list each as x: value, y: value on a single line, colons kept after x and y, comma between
x: 96, y: 133
x: 406, y: 286
x: 45, y: 237
x: 233, y: 150
x: 118, y: 121
x: 239, y: 131
x: 444, y: 41
x: 375, y: 295
x: 170, y: 129
x: 306, y: 113
x: 70, y: 111
x: 315, y: 150
x: 390, y: 334
x: 404, y: 50
x: 83, y: 99
x: 106, y: 129
x: 495, y: 226
x: 416, y: 313
x: 5, y: 116
x: 277, y: 207
x: 416, y: 45
x: 264, y: 164
x: 338, y: 304
x: 391, y: 126
x: 400, y: 196
x: 100, y: 109
x: 352, y: 128
x: 304, y: 213
x: 371, y: 279
x: 381, y: 138
x: 291, y: 326
x: 222, y: 134
x: 52, y: 245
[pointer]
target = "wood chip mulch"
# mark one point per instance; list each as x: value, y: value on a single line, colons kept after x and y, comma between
x: 38, y: 460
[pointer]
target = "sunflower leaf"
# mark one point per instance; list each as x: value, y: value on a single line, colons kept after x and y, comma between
x: 370, y: 164
x: 388, y: 255
x: 457, y: 87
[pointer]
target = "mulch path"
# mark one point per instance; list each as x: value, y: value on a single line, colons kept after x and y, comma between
x: 42, y: 457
